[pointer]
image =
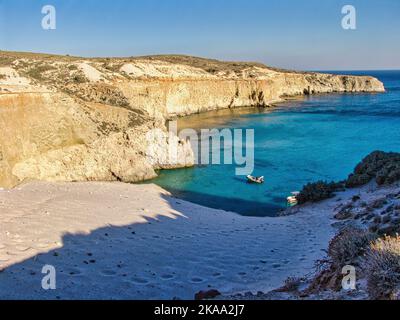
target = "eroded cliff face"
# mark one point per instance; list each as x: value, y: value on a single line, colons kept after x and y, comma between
x: 169, y: 99
x: 70, y: 119
x: 165, y: 89
x: 47, y: 134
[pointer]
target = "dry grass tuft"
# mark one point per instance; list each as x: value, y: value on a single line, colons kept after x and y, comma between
x: 348, y: 245
x: 382, y: 267
x: 344, y: 249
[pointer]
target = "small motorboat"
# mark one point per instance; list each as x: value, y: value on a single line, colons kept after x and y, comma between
x: 292, y: 200
x: 258, y: 180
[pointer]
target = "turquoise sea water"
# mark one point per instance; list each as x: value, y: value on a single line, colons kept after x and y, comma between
x: 319, y: 137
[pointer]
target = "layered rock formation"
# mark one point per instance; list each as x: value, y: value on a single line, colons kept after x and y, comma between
x: 71, y: 119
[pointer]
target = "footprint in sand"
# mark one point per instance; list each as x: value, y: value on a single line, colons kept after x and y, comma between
x: 108, y: 273
x: 22, y: 248
x: 42, y: 245
x: 4, y: 258
x: 74, y: 272
x: 196, y: 280
x: 139, y: 281
x: 167, y: 277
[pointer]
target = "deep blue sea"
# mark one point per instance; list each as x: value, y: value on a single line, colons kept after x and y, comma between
x: 321, y: 137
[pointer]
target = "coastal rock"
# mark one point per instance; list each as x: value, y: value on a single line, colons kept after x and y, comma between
x: 210, y: 294
x: 343, y: 215
x: 50, y: 136
x: 379, y: 203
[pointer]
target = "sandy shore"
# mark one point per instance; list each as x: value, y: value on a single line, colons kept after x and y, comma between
x: 122, y: 241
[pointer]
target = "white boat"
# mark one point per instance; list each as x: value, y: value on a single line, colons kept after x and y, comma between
x: 255, y: 179
x: 292, y: 200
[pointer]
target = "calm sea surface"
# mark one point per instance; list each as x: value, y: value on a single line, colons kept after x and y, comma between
x: 319, y: 137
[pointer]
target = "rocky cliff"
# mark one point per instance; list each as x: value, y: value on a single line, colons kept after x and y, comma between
x: 72, y: 119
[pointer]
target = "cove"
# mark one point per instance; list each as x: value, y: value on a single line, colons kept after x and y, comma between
x: 319, y: 137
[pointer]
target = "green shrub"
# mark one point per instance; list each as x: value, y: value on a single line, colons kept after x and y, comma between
x: 78, y: 78
x: 384, y: 167
x: 317, y: 191
x: 37, y: 71
x: 72, y: 67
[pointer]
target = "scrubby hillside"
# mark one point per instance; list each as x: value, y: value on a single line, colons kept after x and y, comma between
x: 366, y: 211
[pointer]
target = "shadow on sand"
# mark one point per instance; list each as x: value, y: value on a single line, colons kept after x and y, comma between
x: 121, y: 262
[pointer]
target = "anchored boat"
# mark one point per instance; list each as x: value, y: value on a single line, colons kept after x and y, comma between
x: 292, y: 200
x: 258, y: 180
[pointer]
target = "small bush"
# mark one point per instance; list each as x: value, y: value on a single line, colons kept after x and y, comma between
x: 321, y: 190
x: 78, y: 78
x: 382, y: 266
x: 36, y: 72
x: 347, y: 246
x: 72, y: 67
x: 344, y: 249
x: 6, y: 60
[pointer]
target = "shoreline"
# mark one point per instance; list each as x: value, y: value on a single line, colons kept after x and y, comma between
x: 133, y: 241
x: 271, y: 106
x: 95, y: 106
x: 151, y: 246
x: 123, y: 241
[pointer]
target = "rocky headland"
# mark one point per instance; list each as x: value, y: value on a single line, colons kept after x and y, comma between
x: 67, y: 118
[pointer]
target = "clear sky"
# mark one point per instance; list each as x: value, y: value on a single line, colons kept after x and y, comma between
x: 304, y: 34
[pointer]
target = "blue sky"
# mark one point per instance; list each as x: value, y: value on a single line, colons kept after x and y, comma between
x: 304, y: 34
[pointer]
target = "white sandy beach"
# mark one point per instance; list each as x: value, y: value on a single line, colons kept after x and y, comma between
x: 124, y: 241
